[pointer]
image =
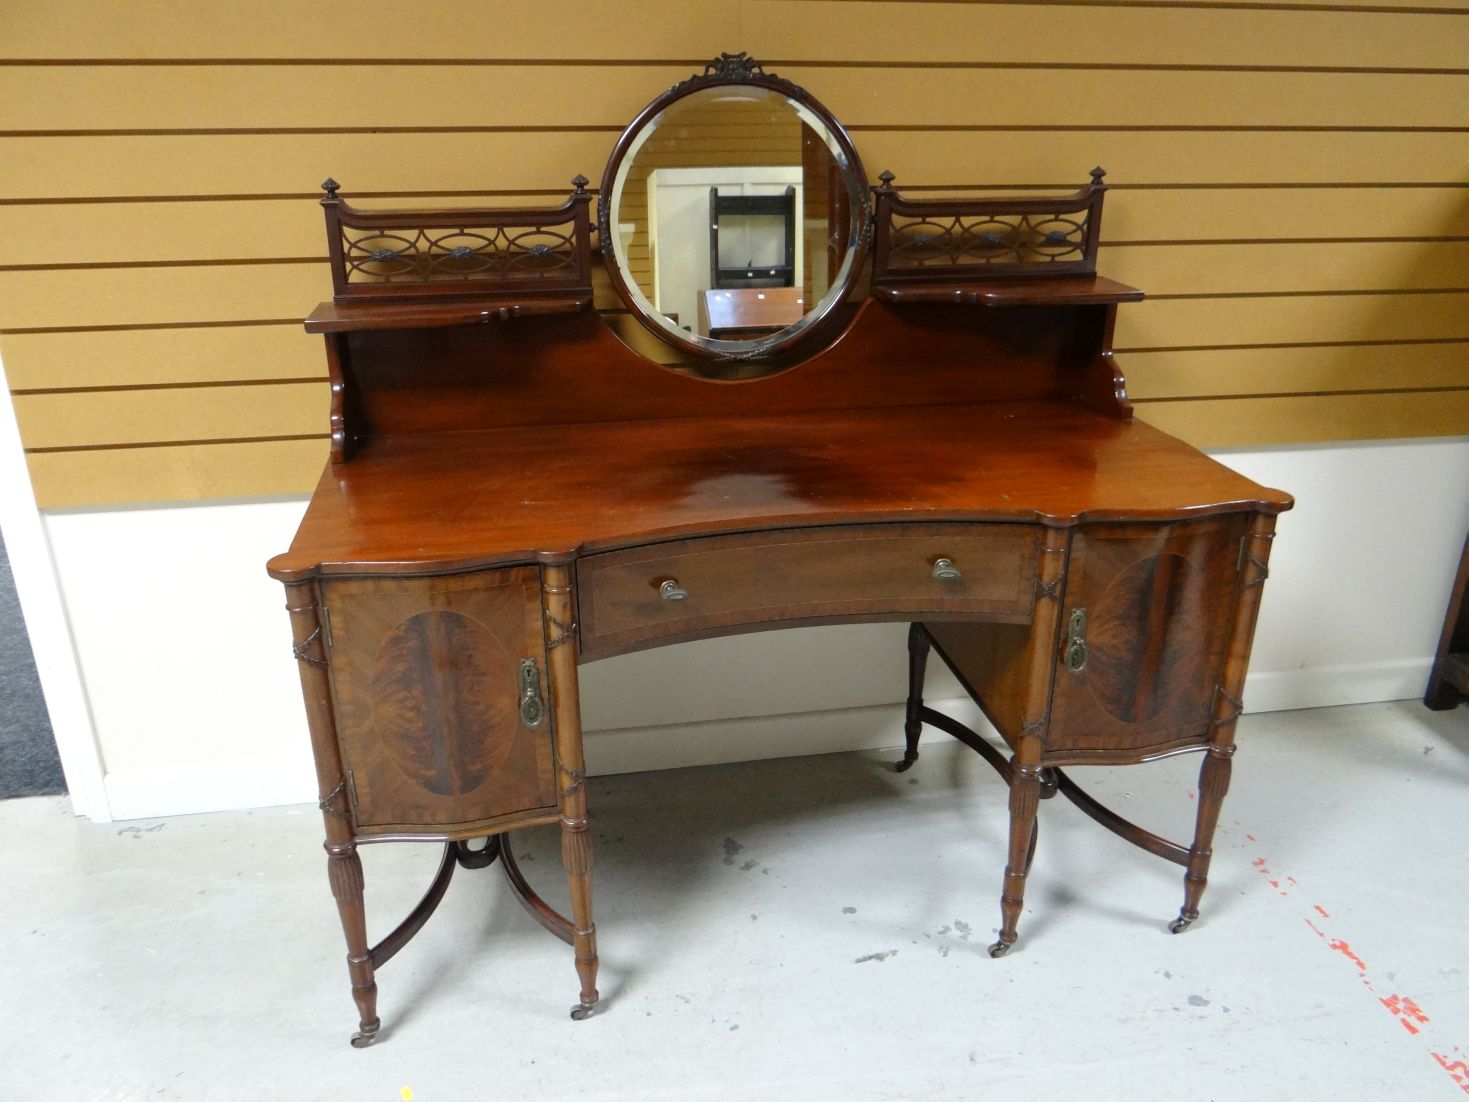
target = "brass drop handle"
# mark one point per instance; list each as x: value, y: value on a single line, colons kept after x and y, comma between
x: 672, y: 591
x: 945, y: 570
x: 1076, y: 641
x: 532, y: 708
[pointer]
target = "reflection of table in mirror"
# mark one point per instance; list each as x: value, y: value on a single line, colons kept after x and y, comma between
x: 741, y: 313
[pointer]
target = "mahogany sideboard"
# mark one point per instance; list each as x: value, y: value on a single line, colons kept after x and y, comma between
x: 514, y: 490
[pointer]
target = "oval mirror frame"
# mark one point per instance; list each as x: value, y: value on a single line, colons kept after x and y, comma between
x: 739, y: 70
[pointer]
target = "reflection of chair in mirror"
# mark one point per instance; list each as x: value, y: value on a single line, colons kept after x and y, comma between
x: 749, y: 273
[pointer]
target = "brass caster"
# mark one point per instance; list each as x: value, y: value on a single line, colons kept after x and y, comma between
x: 1000, y: 948
x: 365, y: 1036
x: 581, y: 1011
x: 1179, y: 925
x: 907, y: 763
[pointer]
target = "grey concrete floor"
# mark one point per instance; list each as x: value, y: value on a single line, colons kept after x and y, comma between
x: 802, y: 928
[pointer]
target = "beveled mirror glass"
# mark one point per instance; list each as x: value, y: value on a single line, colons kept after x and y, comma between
x: 734, y: 214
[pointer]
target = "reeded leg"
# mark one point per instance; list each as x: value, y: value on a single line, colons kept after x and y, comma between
x: 1213, y: 784
x: 918, y: 648
x: 576, y: 856
x: 344, y: 871
x: 576, y: 845
x: 1025, y: 788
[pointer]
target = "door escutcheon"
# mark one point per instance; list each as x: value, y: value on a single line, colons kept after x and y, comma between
x: 1076, y: 641
x: 532, y: 708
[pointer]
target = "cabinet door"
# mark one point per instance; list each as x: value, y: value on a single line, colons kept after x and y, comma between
x: 1157, y: 602
x: 428, y: 683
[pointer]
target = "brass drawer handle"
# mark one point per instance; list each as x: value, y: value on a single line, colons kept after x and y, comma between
x: 672, y: 591
x: 945, y: 570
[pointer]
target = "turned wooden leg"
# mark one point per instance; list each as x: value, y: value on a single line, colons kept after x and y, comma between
x: 343, y: 866
x: 576, y: 856
x: 1213, y: 785
x: 576, y: 844
x: 918, y: 647
x: 344, y: 871
x: 1025, y: 791
x: 1228, y: 706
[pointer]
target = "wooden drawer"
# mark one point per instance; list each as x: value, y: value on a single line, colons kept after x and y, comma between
x: 671, y: 591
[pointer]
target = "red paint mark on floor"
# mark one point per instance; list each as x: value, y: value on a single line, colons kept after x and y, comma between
x: 1337, y: 945
x: 1457, y: 1068
x: 1406, y: 1011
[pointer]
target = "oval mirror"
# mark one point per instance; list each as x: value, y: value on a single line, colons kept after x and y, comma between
x: 734, y: 213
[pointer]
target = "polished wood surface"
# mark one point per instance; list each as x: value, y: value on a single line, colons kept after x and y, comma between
x: 423, y: 502
x: 1078, y: 290
x: 549, y: 371
x: 355, y: 317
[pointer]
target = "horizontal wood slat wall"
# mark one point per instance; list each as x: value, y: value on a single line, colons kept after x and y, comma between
x: 1290, y: 188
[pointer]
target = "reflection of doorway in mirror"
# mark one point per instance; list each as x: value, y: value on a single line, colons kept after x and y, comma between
x: 678, y: 222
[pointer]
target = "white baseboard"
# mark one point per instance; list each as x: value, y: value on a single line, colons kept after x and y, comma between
x: 1328, y: 686
x: 225, y: 784
x: 796, y: 734
x: 236, y: 784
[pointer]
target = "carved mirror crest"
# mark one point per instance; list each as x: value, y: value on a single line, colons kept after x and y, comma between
x: 734, y: 214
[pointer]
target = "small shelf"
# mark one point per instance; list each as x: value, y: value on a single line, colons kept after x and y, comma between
x: 342, y: 317
x: 1088, y: 290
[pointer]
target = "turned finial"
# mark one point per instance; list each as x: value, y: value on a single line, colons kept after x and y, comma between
x: 330, y: 186
x: 887, y: 179
x: 579, y: 182
x: 1097, y: 174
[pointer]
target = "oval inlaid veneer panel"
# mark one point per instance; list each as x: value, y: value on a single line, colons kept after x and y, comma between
x: 1143, y: 641
x: 442, y: 684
